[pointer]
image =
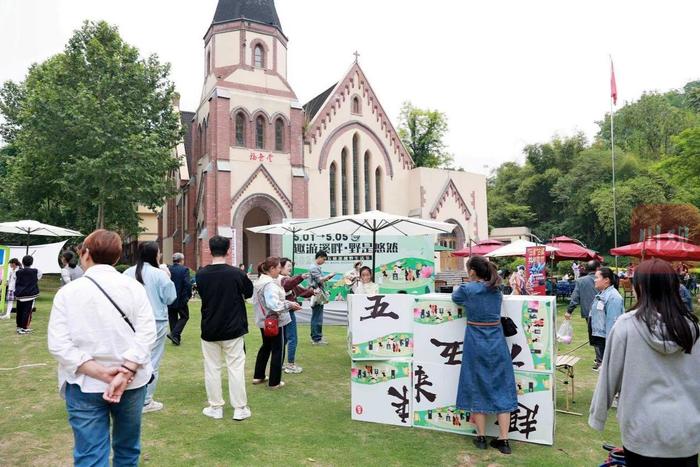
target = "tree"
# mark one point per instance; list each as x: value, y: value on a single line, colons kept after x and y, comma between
x: 94, y: 128
x: 422, y: 132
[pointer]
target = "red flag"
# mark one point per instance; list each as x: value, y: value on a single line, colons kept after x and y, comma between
x: 613, y: 85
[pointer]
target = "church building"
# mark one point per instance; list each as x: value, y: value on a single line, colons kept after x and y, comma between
x: 254, y: 155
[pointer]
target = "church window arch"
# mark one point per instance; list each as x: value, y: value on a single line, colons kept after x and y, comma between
x: 356, y: 105
x: 344, y: 180
x: 259, y: 56
x: 368, y: 200
x: 240, y: 128
x: 378, y: 187
x: 332, y: 177
x: 279, y: 134
x: 260, y: 132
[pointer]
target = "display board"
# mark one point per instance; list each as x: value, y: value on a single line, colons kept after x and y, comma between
x: 437, y: 329
x: 381, y: 391
x: 402, y: 263
x: 4, y: 275
x: 380, y: 326
x: 532, y: 348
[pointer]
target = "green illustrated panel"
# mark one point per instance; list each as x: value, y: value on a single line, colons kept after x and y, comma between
x: 392, y: 345
x: 375, y: 372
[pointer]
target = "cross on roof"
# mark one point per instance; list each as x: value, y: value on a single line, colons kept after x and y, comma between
x: 357, y: 55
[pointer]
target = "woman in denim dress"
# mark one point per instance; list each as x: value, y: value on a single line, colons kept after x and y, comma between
x: 486, y: 380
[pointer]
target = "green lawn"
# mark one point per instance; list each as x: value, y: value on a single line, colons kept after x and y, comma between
x: 306, y: 423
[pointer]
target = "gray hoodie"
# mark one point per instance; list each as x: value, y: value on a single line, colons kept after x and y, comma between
x: 268, y: 299
x: 659, y: 387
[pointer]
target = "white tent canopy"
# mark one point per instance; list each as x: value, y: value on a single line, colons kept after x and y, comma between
x: 30, y: 227
x: 517, y: 248
x: 376, y: 222
x: 45, y: 256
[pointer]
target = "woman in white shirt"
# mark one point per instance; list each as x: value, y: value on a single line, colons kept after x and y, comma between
x: 101, y: 330
x: 365, y: 285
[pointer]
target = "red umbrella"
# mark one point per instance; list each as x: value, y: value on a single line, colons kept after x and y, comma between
x: 482, y: 248
x: 570, y: 248
x: 670, y: 247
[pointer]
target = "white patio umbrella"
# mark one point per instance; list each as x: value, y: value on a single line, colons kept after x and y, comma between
x: 30, y: 227
x: 283, y: 228
x: 376, y: 223
x: 517, y: 248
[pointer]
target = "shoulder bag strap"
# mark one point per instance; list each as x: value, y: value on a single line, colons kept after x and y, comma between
x: 113, y: 302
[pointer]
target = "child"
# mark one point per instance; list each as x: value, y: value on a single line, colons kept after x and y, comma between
x: 26, y: 291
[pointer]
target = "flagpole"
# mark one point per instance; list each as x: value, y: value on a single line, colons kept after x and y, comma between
x: 612, y: 150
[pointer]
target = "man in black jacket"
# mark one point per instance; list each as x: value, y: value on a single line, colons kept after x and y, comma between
x: 178, y: 311
x: 223, y: 289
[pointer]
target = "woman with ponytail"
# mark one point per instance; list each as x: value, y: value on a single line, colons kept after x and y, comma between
x: 652, y: 360
x: 269, y: 298
x: 486, y: 380
x: 161, y: 293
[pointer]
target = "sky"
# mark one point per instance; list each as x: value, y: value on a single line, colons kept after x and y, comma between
x: 506, y: 73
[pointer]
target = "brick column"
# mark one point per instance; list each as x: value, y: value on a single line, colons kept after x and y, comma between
x: 300, y: 185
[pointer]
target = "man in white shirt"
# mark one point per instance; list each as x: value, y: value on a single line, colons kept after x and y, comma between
x: 101, y: 330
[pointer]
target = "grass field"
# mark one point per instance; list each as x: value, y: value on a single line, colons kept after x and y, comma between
x: 306, y: 423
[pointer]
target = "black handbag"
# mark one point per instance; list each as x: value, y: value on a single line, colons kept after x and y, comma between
x: 509, y: 327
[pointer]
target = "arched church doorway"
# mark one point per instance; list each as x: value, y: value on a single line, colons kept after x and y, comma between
x: 255, y: 210
x: 256, y: 246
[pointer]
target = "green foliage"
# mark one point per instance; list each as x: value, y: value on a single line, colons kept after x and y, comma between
x: 422, y: 132
x: 93, y: 128
x: 565, y: 185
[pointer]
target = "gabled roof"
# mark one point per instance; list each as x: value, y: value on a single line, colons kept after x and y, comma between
x: 321, y: 110
x: 312, y: 107
x: 258, y: 11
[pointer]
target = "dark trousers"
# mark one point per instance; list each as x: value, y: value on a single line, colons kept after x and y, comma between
x: 598, y: 344
x: 24, y: 314
x: 635, y: 460
x: 272, y: 349
x: 317, y: 323
x: 178, y: 317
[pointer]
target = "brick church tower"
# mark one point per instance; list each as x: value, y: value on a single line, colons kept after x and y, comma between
x: 246, y: 133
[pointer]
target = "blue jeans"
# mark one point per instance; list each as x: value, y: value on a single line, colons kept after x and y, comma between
x: 156, y: 356
x: 316, y: 323
x: 290, y: 337
x: 89, y: 416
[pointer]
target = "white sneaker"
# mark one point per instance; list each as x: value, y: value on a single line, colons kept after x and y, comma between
x: 293, y: 368
x: 242, y: 413
x: 153, y: 406
x: 5, y: 317
x: 214, y: 412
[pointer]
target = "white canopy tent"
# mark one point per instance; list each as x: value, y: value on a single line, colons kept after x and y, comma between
x: 31, y: 227
x: 517, y: 248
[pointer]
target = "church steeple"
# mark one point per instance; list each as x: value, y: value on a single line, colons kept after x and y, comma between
x: 257, y: 11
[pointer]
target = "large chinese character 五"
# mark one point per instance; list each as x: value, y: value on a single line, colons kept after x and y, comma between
x: 402, y: 404
x: 450, y: 352
x: 422, y: 380
x: 378, y: 310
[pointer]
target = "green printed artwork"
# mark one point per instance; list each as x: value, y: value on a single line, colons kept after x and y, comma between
x: 374, y: 372
x: 536, y: 322
x: 445, y: 419
x: 403, y: 264
x: 528, y: 382
x: 436, y: 311
x: 392, y: 345
x: 4, y: 275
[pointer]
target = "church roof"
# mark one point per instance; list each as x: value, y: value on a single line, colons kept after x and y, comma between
x: 258, y: 11
x: 314, y: 105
